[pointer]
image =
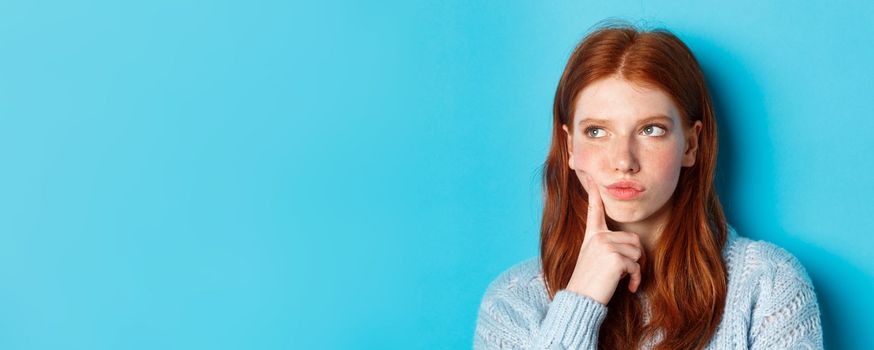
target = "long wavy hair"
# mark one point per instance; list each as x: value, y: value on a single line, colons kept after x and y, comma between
x: 685, y: 279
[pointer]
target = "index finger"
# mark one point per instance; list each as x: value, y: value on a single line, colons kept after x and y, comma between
x: 595, y: 220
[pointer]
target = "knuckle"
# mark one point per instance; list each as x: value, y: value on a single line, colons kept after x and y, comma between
x: 616, y: 259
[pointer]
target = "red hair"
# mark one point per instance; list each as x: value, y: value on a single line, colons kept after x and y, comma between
x: 685, y: 279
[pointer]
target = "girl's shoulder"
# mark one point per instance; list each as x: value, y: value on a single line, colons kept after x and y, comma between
x: 748, y: 258
x: 771, y: 291
x: 757, y: 266
x: 522, y: 279
x: 759, y: 254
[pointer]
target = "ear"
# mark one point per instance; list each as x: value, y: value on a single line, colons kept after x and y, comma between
x: 691, y: 152
x: 570, y: 147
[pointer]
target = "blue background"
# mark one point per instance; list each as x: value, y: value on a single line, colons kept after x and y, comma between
x: 185, y: 174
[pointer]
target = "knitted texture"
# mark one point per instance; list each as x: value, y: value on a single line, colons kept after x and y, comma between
x: 771, y: 304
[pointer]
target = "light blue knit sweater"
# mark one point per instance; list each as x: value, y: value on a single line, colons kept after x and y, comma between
x: 771, y: 304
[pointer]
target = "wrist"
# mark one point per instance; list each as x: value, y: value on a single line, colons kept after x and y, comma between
x: 599, y: 297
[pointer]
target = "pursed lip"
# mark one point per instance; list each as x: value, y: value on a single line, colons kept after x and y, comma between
x: 627, y: 185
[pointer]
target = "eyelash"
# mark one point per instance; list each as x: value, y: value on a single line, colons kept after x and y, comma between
x: 588, y: 129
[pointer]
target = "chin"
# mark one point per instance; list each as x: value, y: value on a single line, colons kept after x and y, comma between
x: 626, y: 215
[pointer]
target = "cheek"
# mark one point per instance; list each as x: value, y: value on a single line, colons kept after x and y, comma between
x: 657, y: 161
x: 663, y: 167
x: 586, y: 158
x: 663, y: 160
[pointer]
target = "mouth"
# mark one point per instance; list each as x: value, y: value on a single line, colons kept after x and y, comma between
x: 625, y: 190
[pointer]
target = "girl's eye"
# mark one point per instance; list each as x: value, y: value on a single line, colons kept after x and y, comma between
x: 654, y: 130
x: 594, y: 132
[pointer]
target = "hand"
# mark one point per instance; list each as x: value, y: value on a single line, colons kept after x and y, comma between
x: 605, y: 256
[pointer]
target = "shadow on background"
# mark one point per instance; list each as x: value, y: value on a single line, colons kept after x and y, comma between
x: 727, y: 77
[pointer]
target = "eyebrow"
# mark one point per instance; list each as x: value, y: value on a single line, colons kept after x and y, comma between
x: 658, y: 117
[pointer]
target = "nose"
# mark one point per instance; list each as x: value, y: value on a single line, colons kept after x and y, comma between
x: 623, y: 155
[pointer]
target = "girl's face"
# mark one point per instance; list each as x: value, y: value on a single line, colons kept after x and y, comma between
x: 627, y: 132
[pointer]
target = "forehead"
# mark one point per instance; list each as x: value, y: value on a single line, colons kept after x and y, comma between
x: 623, y: 102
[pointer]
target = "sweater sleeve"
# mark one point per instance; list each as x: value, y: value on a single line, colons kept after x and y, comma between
x: 509, y: 318
x: 787, y: 314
